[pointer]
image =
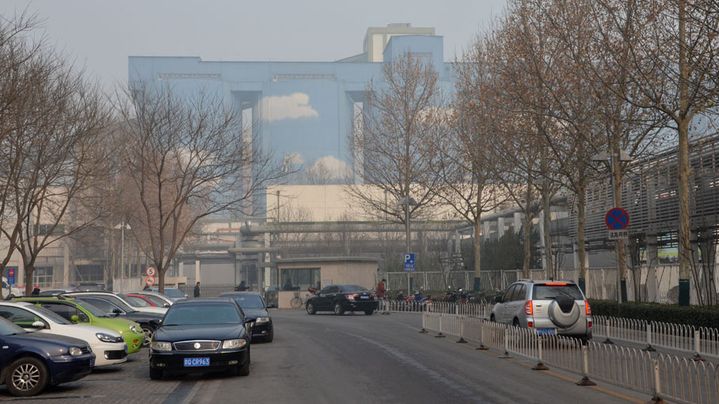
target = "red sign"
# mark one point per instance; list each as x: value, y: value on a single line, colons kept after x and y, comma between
x: 150, y: 280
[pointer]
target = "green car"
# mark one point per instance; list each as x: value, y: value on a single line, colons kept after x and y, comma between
x: 86, y: 313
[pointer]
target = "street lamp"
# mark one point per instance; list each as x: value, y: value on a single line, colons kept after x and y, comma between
x: 122, y: 226
x: 617, y: 156
x: 407, y: 201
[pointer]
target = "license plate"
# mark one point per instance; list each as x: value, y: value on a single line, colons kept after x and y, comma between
x: 546, y: 331
x: 196, y: 362
x: 364, y: 297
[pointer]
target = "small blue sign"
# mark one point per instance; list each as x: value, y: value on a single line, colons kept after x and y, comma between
x: 409, y: 262
x: 616, y: 219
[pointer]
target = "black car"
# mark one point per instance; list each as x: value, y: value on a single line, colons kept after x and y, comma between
x: 30, y: 361
x: 201, y: 335
x: 255, y: 309
x: 341, y: 298
x: 115, y: 307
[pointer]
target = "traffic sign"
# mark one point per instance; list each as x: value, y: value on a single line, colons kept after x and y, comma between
x: 409, y: 262
x: 618, y: 234
x: 149, y: 280
x: 11, y: 275
x: 150, y: 271
x: 617, y: 219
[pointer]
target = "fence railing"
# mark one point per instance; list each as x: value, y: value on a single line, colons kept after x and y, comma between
x: 659, y: 375
x: 701, y: 342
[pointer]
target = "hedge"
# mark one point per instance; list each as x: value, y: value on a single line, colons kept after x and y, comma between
x: 697, y: 316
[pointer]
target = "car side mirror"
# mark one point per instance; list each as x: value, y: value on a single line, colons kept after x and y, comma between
x: 498, y: 299
x: 38, y: 325
x: 166, y: 305
x: 75, y: 318
x: 156, y: 323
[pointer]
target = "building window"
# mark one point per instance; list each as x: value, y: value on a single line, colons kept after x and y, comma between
x: 91, y: 273
x: 42, y: 276
x: 300, y: 279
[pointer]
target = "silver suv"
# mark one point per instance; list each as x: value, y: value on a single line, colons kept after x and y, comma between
x: 550, y: 307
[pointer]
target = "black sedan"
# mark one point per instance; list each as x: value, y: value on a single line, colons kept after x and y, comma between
x: 201, y: 335
x: 342, y: 298
x: 30, y: 361
x: 255, y: 309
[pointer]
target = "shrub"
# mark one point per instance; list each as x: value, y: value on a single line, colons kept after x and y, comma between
x: 697, y: 316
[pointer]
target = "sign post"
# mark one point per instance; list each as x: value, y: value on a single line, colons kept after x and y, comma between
x: 409, y: 267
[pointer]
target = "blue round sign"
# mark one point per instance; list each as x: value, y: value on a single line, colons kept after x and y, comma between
x: 616, y: 219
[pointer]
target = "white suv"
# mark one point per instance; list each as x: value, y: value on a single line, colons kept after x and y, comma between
x: 549, y: 307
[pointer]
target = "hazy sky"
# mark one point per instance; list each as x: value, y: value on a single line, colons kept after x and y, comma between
x: 101, y: 34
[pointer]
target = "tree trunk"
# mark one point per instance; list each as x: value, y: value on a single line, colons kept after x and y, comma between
x: 161, y: 278
x: 684, y: 118
x: 581, y: 224
x: 477, y: 244
x: 547, y: 234
x: 29, y: 271
x: 527, y: 244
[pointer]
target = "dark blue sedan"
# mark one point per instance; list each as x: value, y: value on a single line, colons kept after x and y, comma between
x: 30, y: 361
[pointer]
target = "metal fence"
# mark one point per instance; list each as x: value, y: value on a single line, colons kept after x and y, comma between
x: 660, y: 375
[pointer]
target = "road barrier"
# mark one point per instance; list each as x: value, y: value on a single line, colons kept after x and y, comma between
x: 662, y: 376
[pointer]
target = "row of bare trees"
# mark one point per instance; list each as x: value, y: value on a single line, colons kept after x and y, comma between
x: 555, y: 86
x: 148, y: 158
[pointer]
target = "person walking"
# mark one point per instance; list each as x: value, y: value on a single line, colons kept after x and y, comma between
x: 242, y: 287
x: 381, y: 292
x: 197, y: 289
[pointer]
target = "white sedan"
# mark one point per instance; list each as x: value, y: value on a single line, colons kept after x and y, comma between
x: 119, y: 301
x: 108, y: 346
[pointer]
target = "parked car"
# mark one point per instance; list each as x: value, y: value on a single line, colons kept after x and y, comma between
x: 120, y: 309
x: 119, y: 301
x: 10, y: 291
x: 79, y: 312
x: 108, y: 346
x: 55, y: 292
x: 201, y: 335
x: 152, y: 298
x: 549, y: 307
x: 342, y: 298
x: 255, y: 309
x: 30, y: 361
x: 173, y: 294
x: 91, y: 286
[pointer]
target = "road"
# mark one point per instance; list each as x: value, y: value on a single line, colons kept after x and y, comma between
x: 353, y: 359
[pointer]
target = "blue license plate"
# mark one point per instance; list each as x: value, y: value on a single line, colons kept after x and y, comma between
x: 546, y: 331
x: 196, y: 362
x: 364, y: 297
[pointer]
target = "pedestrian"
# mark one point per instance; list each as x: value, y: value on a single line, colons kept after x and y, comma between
x: 35, y: 291
x: 381, y: 292
x: 241, y: 287
x: 197, y: 289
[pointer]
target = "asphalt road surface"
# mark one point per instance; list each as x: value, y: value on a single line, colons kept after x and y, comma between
x: 347, y: 359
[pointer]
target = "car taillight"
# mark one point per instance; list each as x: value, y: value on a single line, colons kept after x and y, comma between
x: 587, y: 309
x: 528, y: 308
x: 589, y: 324
x: 530, y: 324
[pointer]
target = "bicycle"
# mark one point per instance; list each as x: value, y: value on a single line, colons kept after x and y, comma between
x: 298, y: 302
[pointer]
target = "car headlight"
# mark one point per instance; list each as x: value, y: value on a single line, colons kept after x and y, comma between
x: 261, y: 320
x: 74, y: 351
x: 161, y: 346
x: 107, y: 337
x: 234, y: 343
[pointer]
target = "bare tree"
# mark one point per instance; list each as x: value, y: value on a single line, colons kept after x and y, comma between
x: 186, y: 159
x: 399, y: 116
x: 466, y: 163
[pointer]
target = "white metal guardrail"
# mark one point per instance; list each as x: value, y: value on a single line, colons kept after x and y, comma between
x: 660, y: 375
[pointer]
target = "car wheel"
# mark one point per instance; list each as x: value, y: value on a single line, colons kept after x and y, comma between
x: 155, y: 374
x: 515, y: 322
x: 311, y: 308
x: 244, y: 370
x: 149, y: 332
x: 369, y: 312
x: 339, y: 310
x: 26, y: 377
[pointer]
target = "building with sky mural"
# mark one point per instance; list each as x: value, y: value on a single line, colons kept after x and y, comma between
x: 303, y: 112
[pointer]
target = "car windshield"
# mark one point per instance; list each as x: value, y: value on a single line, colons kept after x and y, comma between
x: 202, y: 314
x: 159, y: 302
x: 52, y: 315
x: 551, y: 292
x: 8, y: 328
x: 174, y: 293
x: 352, y: 288
x: 135, y: 301
x: 249, y: 301
x: 114, y: 300
x: 94, y: 310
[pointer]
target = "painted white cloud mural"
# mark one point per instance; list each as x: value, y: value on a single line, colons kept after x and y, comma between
x: 293, y: 106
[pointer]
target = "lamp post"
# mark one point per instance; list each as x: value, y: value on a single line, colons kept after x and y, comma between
x: 406, y: 202
x: 122, y: 226
x: 613, y: 161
